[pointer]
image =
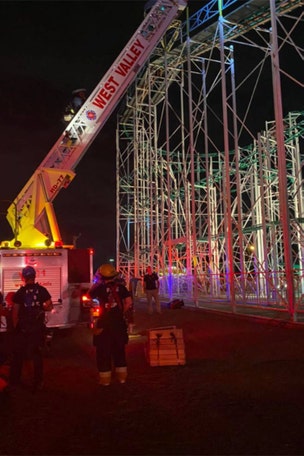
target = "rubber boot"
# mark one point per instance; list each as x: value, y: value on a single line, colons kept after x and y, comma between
x: 105, y: 378
x: 121, y: 373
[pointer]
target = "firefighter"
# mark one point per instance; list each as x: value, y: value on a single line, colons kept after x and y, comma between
x: 30, y: 303
x: 78, y: 98
x: 6, y: 327
x: 3, y: 329
x: 110, y: 334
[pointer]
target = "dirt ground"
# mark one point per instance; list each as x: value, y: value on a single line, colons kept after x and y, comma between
x: 241, y: 391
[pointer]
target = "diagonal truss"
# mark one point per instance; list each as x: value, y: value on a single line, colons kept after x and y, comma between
x: 198, y: 159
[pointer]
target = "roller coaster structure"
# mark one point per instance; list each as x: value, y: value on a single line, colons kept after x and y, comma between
x: 210, y: 158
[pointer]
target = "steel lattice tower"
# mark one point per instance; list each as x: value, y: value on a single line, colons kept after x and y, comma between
x: 210, y: 158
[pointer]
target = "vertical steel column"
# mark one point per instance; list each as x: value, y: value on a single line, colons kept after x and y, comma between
x: 209, y: 199
x: 168, y: 175
x: 263, y: 238
x: 137, y: 217
x: 118, y: 209
x: 192, y: 174
x: 227, y: 194
x: 238, y: 177
x: 152, y: 172
x: 279, y: 128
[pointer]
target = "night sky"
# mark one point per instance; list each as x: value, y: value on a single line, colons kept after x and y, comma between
x: 48, y: 49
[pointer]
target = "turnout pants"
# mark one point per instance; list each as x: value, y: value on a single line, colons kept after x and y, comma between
x: 27, y: 346
x: 110, y: 347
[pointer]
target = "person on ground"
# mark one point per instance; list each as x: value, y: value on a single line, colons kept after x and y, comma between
x: 110, y: 334
x: 5, y: 327
x: 30, y: 303
x: 151, y: 289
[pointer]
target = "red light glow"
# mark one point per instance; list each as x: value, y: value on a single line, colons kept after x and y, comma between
x: 58, y: 244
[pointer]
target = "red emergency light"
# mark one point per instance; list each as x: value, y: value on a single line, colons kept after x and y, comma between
x: 58, y: 244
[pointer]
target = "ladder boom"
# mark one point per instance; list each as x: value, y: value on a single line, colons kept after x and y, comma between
x: 57, y: 169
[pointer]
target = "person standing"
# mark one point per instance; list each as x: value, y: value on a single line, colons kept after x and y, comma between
x: 30, y: 303
x: 3, y: 330
x: 5, y: 327
x: 110, y: 334
x: 151, y: 289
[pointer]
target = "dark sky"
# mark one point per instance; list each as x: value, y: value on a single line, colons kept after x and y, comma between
x: 48, y: 49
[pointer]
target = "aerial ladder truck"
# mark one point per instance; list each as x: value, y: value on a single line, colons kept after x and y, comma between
x: 37, y: 241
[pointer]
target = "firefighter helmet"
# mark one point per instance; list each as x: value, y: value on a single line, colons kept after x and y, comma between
x: 28, y: 272
x: 107, y: 271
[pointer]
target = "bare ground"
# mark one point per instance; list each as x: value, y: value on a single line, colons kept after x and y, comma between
x: 240, y: 392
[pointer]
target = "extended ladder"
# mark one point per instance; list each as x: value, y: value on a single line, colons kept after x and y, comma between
x: 31, y: 214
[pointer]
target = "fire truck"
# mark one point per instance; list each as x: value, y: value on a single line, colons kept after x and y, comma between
x: 66, y: 271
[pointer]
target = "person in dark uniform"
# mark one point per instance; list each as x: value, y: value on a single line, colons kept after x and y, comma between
x: 30, y: 303
x: 6, y: 327
x: 111, y: 329
x: 151, y: 286
x: 3, y: 329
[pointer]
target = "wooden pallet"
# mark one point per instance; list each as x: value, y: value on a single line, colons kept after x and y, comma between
x: 165, y: 347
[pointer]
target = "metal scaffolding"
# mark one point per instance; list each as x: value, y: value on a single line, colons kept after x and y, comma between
x: 210, y: 163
